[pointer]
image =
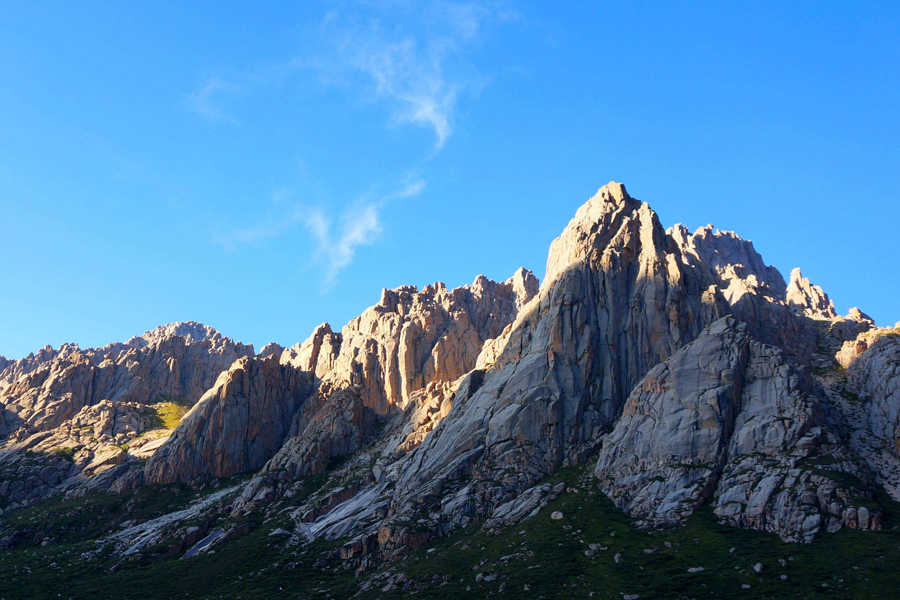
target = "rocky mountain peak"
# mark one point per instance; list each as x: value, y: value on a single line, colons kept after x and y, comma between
x: 808, y: 299
x: 317, y: 353
x: 857, y: 315
x: 525, y: 285
x: 191, y: 331
x: 731, y: 258
x: 270, y: 349
x: 595, y: 224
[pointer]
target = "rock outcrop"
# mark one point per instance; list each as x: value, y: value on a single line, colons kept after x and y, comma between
x: 411, y: 337
x: 236, y: 426
x: 85, y: 405
x: 808, y: 299
x: 621, y: 296
x: 378, y: 363
x: 173, y: 362
x: 852, y: 326
x: 411, y: 345
x: 875, y: 377
x: 676, y: 360
x: 728, y: 416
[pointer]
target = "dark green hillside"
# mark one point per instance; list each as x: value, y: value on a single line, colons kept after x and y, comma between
x: 541, y: 558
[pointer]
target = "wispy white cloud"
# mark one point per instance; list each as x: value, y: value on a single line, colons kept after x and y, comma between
x: 203, y: 101
x: 417, y: 64
x: 411, y: 56
x: 336, y: 243
x: 336, y: 246
x: 413, y: 188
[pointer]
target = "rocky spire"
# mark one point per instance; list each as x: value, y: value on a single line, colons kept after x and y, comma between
x: 808, y: 299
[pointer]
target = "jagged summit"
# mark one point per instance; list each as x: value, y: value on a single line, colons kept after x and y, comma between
x: 809, y: 299
x: 380, y: 363
x: 191, y: 331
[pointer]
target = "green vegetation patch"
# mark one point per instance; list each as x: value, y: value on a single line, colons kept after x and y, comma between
x: 166, y: 415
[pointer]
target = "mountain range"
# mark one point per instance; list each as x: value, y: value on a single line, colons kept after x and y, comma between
x: 662, y: 381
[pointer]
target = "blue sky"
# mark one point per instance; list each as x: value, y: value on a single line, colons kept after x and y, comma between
x: 263, y: 168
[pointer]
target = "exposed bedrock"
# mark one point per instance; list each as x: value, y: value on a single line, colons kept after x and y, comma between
x: 236, y: 426
x: 728, y: 417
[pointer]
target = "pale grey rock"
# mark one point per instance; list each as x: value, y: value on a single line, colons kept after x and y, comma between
x: 403, y: 356
x: 662, y: 459
x: 729, y: 417
x: 799, y: 493
x: 525, y: 506
x: 621, y: 296
x: 875, y: 377
x: 135, y: 538
x: 481, y: 391
x: 237, y: 426
x: 808, y: 299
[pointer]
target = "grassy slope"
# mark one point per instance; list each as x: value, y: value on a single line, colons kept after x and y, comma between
x: 555, y: 550
x: 256, y: 565
x: 166, y: 415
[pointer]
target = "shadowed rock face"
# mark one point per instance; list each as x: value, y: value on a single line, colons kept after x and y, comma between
x: 726, y: 416
x: 236, y: 426
x: 663, y: 456
x: 875, y: 376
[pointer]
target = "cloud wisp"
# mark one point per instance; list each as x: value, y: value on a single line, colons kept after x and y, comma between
x: 336, y: 243
x: 417, y: 65
x: 203, y: 101
x: 413, y: 58
x: 336, y: 246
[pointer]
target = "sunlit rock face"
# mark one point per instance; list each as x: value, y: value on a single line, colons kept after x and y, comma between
x: 327, y: 393
x: 178, y: 361
x: 411, y: 337
x: 808, y: 299
x: 389, y: 355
